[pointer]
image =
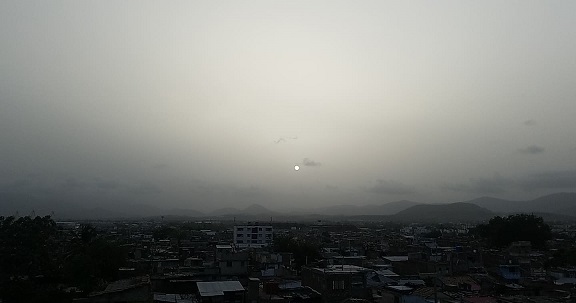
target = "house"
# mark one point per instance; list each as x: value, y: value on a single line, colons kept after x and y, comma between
x: 234, y: 264
x: 220, y: 292
x: 338, y: 282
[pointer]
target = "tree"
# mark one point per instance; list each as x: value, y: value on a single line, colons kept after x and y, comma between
x: 303, y: 251
x: 26, y: 245
x: 563, y: 257
x: 92, y: 259
x: 171, y: 231
x: 28, y: 263
x: 501, y: 231
x: 33, y: 261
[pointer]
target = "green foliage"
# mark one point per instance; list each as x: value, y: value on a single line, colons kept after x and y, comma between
x: 563, y: 257
x: 26, y: 245
x: 34, y: 259
x: 433, y: 234
x: 170, y: 231
x: 27, y: 248
x: 92, y: 259
x: 502, y: 231
x: 303, y: 251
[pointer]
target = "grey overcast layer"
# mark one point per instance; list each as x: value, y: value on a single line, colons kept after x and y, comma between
x: 210, y: 104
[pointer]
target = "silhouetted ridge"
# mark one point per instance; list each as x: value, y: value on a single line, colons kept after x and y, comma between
x: 454, y: 212
x: 559, y: 203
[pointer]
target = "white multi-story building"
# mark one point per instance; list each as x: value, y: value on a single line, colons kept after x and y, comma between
x: 253, y: 235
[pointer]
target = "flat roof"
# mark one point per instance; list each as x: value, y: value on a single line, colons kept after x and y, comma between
x: 343, y: 269
x: 396, y: 258
x: 400, y: 287
x: 210, y: 289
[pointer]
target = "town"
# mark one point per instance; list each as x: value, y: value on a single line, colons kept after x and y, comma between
x: 268, y: 261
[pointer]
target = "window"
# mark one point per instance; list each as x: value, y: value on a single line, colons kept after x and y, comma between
x: 229, y: 264
x: 239, y: 241
x: 338, y: 284
x: 268, y: 228
x: 240, y: 228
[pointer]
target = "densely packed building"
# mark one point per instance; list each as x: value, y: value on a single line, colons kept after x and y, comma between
x: 212, y: 261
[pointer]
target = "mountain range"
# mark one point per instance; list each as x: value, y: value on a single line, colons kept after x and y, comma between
x: 559, y: 206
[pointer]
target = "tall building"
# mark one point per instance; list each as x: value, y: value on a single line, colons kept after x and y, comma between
x: 253, y: 235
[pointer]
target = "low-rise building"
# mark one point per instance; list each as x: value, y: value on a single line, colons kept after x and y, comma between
x: 253, y: 235
x: 220, y: 292
x: 338, y: 282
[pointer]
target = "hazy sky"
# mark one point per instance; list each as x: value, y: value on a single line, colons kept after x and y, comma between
x: 205, y: 104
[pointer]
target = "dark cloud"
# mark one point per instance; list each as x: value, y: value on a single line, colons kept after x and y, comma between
x: 309, y: 162
x: 146, y: 188
x: 494, y: 185
x: 23, y: 184
x: 108, y: 185
x: 391, y: 188
x: 284, y: 139
x: 532, y: 150
x: 72, y: 183
x: 550, y: 180
x: 29, y: 185
x: 530, y: 122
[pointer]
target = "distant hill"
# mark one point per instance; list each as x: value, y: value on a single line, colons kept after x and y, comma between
x: 224, y: 211
x: 392, y: 207
x: 252, y: 212
x: 257, y: 209
x: 493, y: 204
x: 554, y: 207
x: 183, y: 212
x: 25, y: 204
x: 453, y: 212
x: 372, y: 209
x: 559, y: 203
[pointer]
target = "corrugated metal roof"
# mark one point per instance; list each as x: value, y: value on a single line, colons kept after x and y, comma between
x: 396, y: 258
x: 210, y: 289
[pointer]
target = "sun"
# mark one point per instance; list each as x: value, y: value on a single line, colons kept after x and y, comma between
x: 296, y: 167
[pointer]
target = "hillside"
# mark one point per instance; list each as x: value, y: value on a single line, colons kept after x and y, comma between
x: 454, y: 212
x: 558, y: 207
x: 558, y: 203
x: 372, y: 209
